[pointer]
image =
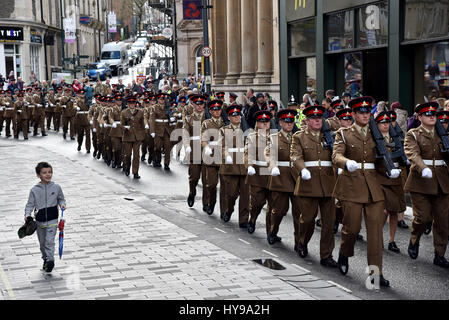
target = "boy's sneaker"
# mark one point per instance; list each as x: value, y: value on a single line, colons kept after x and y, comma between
x: 49, y: 267
x: 45, y: 265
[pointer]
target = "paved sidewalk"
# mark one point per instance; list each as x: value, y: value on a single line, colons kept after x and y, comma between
x: 114, y: 249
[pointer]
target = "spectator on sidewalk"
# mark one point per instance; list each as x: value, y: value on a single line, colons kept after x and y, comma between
x: 12, y: 86
x: 20, y: 83
x: 45, y: 197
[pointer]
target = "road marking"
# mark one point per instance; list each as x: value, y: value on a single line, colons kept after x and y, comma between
x: 270, y: 253
x: 7, y: 284
x: 246, y: 242
x: 303, y: 269
x: 198, y: 220
x: 220, y: 230
x: 185, y: 215
x: 340, y: 286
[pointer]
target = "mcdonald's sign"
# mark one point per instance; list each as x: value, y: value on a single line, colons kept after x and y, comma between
x: 300, y: 4
x: 300, y: 9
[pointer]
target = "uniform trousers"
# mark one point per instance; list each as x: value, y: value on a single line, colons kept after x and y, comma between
x: 159, y: 143
x: 94, y: 139
x: 197, y: 172
x: 117, y: 149
x: 425, y: 209
x: 81, y: 131
x: 131, y: 148
x: 68, y: 123
x: 39, y: 121
x: 107, y: 143
x: 49, y: 116
x: 236, y: 187
x: 258, y: 197
x: 100, y: 141
x: 352, y: 223
x: 309, y: 210
x: 8, y: 122
x: 212, y: 178
x: 280, y: 205
x: 21, y: 125
x: 56, y: 121
x: 1, y: 121
x: 148, y: 146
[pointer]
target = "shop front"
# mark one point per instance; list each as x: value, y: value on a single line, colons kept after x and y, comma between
x: 11, y: 39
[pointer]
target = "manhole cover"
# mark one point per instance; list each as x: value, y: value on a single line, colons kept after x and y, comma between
x: 270, y: 263
x: 129, y: 199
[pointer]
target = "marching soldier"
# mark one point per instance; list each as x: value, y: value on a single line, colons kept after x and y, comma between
x: 160, y: 131
x: 116, y: 131
x: 443, y: 116
x: 106, y: 130
x: 68, y: 114
x: 58, y: 109
x: 428, y: 183
x: 98, y: 125
x: 29, y: 99
x: 191, y: 138
x: 315, y: 185
x: 38, y: 112
x: 334, y: 122
x: 50, y: 108
x: 2, y: 109
x: 358, y: 188
x: 283, y: 176
x: 93, y: 122
x: 21, y: 116
x: 82, y: 120
x: 233, y: 168
x: 133, y: 125
x: 148, y: 142
x: 256, y: 162
x: 8, y: 113
x: 212, y: 159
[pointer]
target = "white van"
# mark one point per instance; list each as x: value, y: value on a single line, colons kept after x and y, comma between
x: 114, y: 54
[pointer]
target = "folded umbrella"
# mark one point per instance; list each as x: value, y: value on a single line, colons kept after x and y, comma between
x: 61, y: 233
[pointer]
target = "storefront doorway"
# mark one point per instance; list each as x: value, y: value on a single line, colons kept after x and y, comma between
x: 375, y: 74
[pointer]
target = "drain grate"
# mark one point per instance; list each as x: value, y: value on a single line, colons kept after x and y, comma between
x: 270, y: 264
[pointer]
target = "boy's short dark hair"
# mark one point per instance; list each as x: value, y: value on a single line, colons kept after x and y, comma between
x: 42, y: 165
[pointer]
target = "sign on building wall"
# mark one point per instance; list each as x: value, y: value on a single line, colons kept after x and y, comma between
x: 35, y: 37
x: 11, y: 34
x: 299, y: 9
x: 69, y: 30
x: 112, y: 22
x: 192, y: 9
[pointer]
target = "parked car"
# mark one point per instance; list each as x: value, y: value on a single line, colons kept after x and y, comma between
x: 99, y: 68
x: 114, y: 54
x: 140, y: 47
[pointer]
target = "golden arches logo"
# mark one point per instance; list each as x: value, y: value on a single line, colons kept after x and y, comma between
x: 299, y: 4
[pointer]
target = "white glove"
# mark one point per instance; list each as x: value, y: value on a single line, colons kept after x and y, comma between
x: 127, y: 127
x: 153, y: 135
x: 64, y: 106
x: 275, y: 172
x: 180, y: 116
x: 46, y: 106
x: 172, y: 119
x: 1, y: 108
x: 188, y: 149
x: 91, y: 122
x: 351, y: 165
x: 394, y: 174
x: 52, y: 105
x: 78, y: 109
x: 427, y: 173
x: 228, y: 160
x: 408, y: 162
x: 19, y: 111
x: 147, y: 127
x: 251, y: 171
x: 114, y: 125
x: 340, y: 171
x: 26, y: 103
x: 7, y: 103
x: 208, y: 151
x: 305, y: 174
x: 101, y: 125
x: 94, y: 130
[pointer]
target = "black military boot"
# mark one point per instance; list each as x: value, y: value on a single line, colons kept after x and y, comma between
x: 226, y: 217
x: 413, y: 250
x: 114, y: 165
x: 440, y: 261
x: 302, y: 250
x: 343, y: 263
x: 251, y: 227
x: 150, y: 159
x: 143, y: 158
x: 329, y: 262
x: 272, y: 239
x: 205, y: 208
x: 382, y: 282
x: 166, y: 167
x: 136, y: 176
x: 191, y: 199
x: 210, y: 209
x: 318, y: 223
x: 79, y: 148
x: 428, y: 229
x: 94, y: 154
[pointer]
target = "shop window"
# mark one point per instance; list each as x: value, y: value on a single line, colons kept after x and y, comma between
x: 373, y: 25
x: 436, y: 66
x: 426, y: 19
x: 341, y: 30
x: 311, y: 74
x: 353, y: 73
x: 303, y: 38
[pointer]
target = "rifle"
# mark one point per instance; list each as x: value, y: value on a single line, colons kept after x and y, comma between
x: 382, y: 152
x: 329, y: 138
x: 399, y: 132
x: 398, y: 150
x: 444, y: 136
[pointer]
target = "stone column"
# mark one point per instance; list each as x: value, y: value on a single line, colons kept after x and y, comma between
x: 233, y: 41
x: 219, y: 32
x: 264, y: 41
x: 249, y: 41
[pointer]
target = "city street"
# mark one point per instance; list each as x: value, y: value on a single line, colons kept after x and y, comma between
x: 139, y: 240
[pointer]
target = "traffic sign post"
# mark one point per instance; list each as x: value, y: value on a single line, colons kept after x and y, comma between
x: 206, y: 52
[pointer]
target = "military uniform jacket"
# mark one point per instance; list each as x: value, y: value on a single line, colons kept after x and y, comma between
x: 306, y: 148
x: 356, y: 186
x: 58, y: 98
x: 419, y: 145
x: 382, y: 169
x: 21, y: 110
x: 333, y: 123
x: 81, y: 114
x: 103, y: 119
x: 235, y: 151
x: 93, y: 115
x: 9, y: 108
x: 191, y: 134
x: 209, y: 129
x: 29, y: 99
x: 69, y: 110
x: 135, y: 120
x: 286, y: 181
x: 39, y: 109
x: 159, y: 121
x: 114, y: 117
x: 51, y: 103
x: 255, y: 156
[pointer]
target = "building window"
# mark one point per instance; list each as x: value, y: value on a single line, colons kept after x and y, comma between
x: 373, y: 25
x: 436, y: 66
x: 34, y: 56
x: 353, y: 73
x: 303, y: 38
x: 426, y: 19
x: 311, y: 74
x: 341, y: 31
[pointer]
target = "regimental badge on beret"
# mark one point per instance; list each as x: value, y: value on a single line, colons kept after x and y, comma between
x: 314, y: 111
x: 362, y: 104
x: 215, y: 105
x: 383, y: 117
x: 428, y: 109
x: 287, y: 115
x: 263, y: 116
x: 345, y: 114
x: 443, y: 116
x: 234, y: 110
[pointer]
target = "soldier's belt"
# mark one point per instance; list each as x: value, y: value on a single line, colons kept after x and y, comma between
x: 9, y: 108
x: 365, y: 166
x: 82, y: 112
x: 260, y: 163
x: 435, y: 163
x: 318, y: 163
x: 180, y: 120
x: 213, y: 143
x: 194, y: 138
x: 117, y: 122
x: 232, y: 150
x: 284, y: 164
x: 107, y: 125
x: 161, y: 120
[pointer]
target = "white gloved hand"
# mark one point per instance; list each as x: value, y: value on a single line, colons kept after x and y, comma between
x: 408, y: 162
x: 208, y: 151
x: 7, y: 103
x: 147, y: 127
x: 251, y: 171
x: 127, y: 127
x: 275, y: 172
x: 114, y: 125
x: 94, y: 130
x: 427, y: 173
x: 19, y: 111
x: 188, y: 149
x: 351, y: 165
x: 305, y: 174
x: 64, y: 106
x: 91, y: 122
x: 46, y: 106
x: 395, y: 173
x: 153, y: 135
x: 172, y: 119
x: 180, y: 116
x: 52, y: 105
x: 228, y: 160
x: 78, y: 109
x: 340, y: 171
x: 101, y: 125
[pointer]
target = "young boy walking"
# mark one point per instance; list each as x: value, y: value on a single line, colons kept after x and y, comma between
x: 44, y: 198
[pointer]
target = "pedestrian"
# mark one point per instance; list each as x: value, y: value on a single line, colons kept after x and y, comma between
x: 12, y: 86
x: 45, y: 197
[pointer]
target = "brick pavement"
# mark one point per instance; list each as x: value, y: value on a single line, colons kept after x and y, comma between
x: 113, y: 248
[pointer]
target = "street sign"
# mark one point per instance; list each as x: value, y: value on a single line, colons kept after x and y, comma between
x: 167, y: 33
x: 206, y: 52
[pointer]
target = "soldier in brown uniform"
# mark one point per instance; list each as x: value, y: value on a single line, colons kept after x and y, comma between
x: 315, y: 185
x: 2, y: 109
x: 68, y: 114
x: 50, y: 108
x: 283, y: 176
x: 21, y: 116
x: 428, y: 183
x: 106, y: 130
x: 82, y: 121
x: 160, y: 131
x: 358, y: 187
x: 334, y: 122
x: 8, y: 113
x: 191, y: 138
x: 58, y: 109
x: 148, y: 142
x: 38, y: 112
x: 256, y: 163
x: 233, y: 168
x: 28, y: 98
x: 212, y: 155
x: 116, y: 131
x: 133, y: 126
x: 94, y: 123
